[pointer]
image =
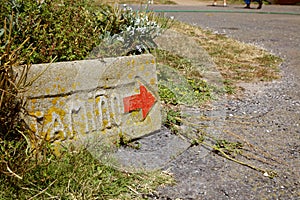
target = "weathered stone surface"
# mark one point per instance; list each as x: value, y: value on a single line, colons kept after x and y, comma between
x: 90, y: 99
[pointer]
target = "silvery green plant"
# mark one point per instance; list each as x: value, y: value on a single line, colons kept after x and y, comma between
x: 136, y: 36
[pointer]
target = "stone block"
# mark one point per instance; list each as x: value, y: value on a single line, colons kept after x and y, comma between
x: 89, y: 100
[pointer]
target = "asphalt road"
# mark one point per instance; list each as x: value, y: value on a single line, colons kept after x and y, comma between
x: 268, y: 114
x: 275, y: 27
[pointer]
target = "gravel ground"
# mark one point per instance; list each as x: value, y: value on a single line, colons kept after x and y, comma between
x: 267, y: 117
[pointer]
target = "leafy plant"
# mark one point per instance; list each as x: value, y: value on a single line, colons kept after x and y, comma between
x: 66, y: 30
x: 166, y: 95
x: 128, y: 32
x: 172, y: 120
x: 179, y: 81
x: 201, y: 90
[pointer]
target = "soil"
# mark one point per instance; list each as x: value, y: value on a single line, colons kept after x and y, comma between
x: 266, y: 119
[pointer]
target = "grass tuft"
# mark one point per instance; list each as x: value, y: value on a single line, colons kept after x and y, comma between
x: 78, y: 175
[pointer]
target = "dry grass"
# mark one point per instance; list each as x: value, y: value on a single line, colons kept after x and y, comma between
x: 235, y: 60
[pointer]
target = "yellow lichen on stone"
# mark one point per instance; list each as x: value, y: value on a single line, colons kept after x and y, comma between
x: 137, y: 90
x: 152, y: 81
x: 105, y: 122
x: 130, y: 76
x: 112, y: 115
x: 60, y: 136
x: 61, y: 103
x: 60, y: 112
x: 37, y: 114
x: 118, y: 75
x: 142, y: 68
x: 136, y: 115
x: 97, y: 112
x: 73, y: 86
x: 51, y: 121
x: 89, y: 115
x: 47, y: 90
x: 54, y: 101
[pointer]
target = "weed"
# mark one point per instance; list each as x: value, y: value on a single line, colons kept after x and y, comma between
x: 126, y: 142
x: 179, y: 81
x: 181, y: 64
x: 237, y: 62
x: 230, y: 148
x: 197, y: 140
x: 201, y: 90
x: 166, y: 95
x: 78, y: 175
x: 229, y: 87
x: 172, y: 120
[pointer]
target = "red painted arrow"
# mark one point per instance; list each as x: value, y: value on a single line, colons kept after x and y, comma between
x: 145, y: 100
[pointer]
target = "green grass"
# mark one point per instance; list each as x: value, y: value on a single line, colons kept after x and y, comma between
x: 180, y: 81
x: 79, y: 176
